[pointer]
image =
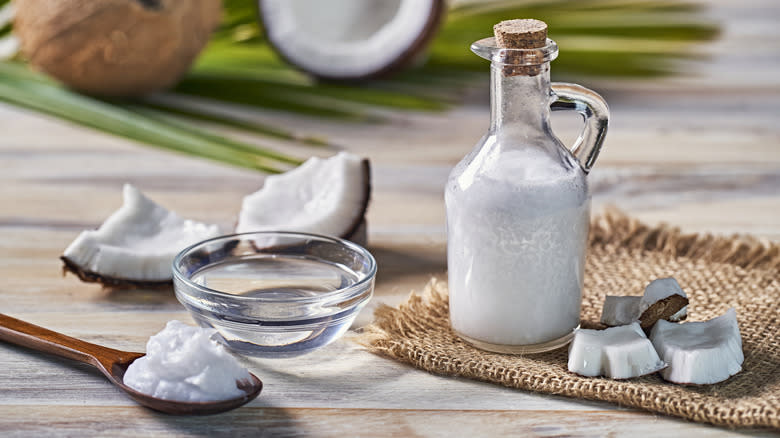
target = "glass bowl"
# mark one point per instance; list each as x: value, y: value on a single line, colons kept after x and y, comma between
x: 274, y: 294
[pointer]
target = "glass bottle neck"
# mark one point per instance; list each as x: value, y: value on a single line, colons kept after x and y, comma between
x: 520, y: 101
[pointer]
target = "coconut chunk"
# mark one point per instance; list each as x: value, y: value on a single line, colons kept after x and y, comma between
x: 620, y: 310
x: 135, y: 245
x: 663, y: 299
x: 619, y: 352
x: 700, y: 352
x: 322, y: 196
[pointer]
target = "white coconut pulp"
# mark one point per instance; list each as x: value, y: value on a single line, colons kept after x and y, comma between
x: 185, y: 363
x: 138, y: 242
x: 322, y: 196
x: 9, y: 44
x: 700, y: 352
x: 618, y: 352
x: 697, y: 352
x: 342, y: 39
x: 620, y: 310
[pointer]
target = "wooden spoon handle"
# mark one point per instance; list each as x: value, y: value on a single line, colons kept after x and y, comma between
x: 38, y: 338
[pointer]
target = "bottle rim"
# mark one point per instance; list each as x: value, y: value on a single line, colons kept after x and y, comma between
x: 487, y: 48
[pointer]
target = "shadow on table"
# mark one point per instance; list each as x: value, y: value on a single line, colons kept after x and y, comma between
x: 255, y: 420
x: 141, y: 296
x: 334, y: 369
x: 395, y: 263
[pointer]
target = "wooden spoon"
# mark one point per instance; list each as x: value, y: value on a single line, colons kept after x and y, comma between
x: 114, y: 363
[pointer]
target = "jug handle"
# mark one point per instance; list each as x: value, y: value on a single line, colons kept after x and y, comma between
x: 595, y: 113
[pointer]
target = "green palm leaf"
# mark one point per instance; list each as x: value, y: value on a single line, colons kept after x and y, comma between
x: 20, y: 87
x: 611, y: 38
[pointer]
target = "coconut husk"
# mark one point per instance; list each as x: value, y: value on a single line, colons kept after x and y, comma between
x: 115, y: 47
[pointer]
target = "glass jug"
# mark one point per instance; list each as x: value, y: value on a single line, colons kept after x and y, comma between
x: 518, y: 209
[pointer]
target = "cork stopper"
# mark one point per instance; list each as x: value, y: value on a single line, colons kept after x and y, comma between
x: 523, y: 34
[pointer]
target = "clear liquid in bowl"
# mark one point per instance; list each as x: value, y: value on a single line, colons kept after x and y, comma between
x: 277, y: 277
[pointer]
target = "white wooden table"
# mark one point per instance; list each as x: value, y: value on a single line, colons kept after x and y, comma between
x: 700, y: 151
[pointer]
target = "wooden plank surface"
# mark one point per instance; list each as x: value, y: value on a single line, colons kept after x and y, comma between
x: 701, y: 151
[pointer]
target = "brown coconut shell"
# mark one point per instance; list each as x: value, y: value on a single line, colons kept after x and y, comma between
x: 662, y: 309
x: 115, y: 47
x: 87, y: 276
x: 358, y: 230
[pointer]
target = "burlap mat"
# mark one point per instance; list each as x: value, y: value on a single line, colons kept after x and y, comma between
x: 624, y: 255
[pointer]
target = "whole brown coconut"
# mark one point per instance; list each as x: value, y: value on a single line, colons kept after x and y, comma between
x: 115, y: 47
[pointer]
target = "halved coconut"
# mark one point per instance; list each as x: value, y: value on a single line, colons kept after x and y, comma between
x: 135, y: 245
x: 700, y: 352
x: 619, y: 352
x: 321, y: 196
x: 350, y: 39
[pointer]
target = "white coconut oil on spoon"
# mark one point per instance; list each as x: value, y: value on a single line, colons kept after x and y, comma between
x: 114, y: 365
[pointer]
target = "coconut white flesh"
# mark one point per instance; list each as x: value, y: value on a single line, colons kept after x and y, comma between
x: 680, y: 315
x: 138, y: 242
x: 700, y: 352
x: 7, y: 12
x: 9, y: 47
x: 619, y: 352
x: 345, y: 39
x: 658, y: 290
x: 9, y: 44
x: 321, y: 196
x: 620, y: 310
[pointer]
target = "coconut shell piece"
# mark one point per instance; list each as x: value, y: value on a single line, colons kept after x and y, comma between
x: 700, y: 353
x: 621, y: 352
x: 663, y: 300
x: 135, y: 246
x: 663, y: 309
x: 86, y: 276
x: 115, y: 47
x: 322, y: 196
